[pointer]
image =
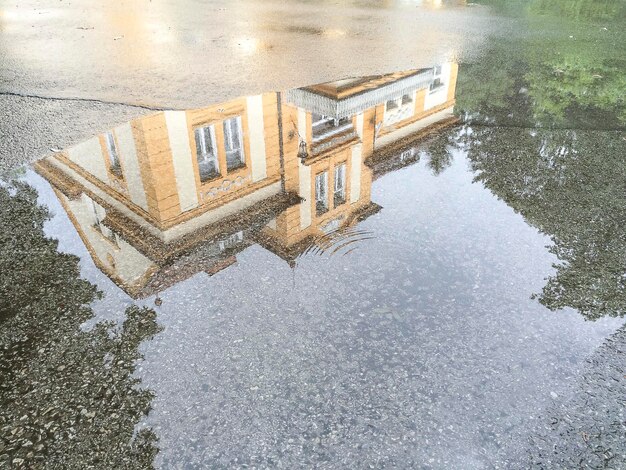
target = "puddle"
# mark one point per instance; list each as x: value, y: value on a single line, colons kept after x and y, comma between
x: 393, y: 270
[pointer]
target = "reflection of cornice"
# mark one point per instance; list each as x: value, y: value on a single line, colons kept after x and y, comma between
x: 290, y: 253
x: 362, y: 214
x: 332, y: 146
x: 62, y: 182
x: 163, y: 253
x: 389, y: 159
x: 169, y: 276
x: 195, y: 252
x: 287, y: 253
x: 349, y: 137
x: 368, y: 98
x: 185, y: 255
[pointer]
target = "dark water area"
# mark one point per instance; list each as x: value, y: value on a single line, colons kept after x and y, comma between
x: 424, y: 269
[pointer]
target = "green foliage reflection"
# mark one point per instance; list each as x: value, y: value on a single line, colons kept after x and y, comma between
x: 68, y: 398
x: 571, y: 185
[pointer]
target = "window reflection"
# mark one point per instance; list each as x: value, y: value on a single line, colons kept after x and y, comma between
x: 321, y: 193
x: 340, y: 185
x: 114, y: 160
x: 206, y: 155
x: 233, y: 143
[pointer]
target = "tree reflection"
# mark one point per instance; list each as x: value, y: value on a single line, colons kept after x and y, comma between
x: 577, y: 10
x: 439, y: 152
x: 68, y: 398
x: 571, y: 185
x: 566, y: 71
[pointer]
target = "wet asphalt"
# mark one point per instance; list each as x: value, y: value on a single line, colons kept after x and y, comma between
x: 588, y: 428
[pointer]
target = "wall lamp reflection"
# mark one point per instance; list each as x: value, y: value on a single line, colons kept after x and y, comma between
x: 302, y: 151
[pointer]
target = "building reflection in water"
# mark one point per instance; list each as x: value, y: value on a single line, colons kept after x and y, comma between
x: 166, y: 196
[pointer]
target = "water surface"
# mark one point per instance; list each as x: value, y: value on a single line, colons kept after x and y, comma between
x: 405, y: 270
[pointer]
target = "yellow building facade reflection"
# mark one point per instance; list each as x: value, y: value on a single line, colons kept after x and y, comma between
x: 166, y: 196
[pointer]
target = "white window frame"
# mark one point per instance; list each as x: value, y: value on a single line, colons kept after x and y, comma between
x: 392, y: 104
x: 339, y: 184
x: 336, y: 129
x: 437, y: 83
x: 230, y: 241
x: 206, y: 155
x: 102, y: 229
x: 407, y: 154
x: 229, y: 141
x: 321, y: 192
x: 115, y: 164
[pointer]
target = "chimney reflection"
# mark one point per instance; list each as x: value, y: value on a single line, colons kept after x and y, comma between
x: 163, y: 197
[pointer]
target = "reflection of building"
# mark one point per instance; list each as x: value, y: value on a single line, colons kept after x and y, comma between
x: 146, y: 192
x: 163, y: 197
x: 338, y: 126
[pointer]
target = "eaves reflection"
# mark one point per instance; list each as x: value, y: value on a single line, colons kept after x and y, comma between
x: 163, y: 197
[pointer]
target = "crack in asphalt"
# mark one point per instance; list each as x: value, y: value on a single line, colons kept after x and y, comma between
x: 87, y: 100
x: 164, y: 108
x: 543, y: 128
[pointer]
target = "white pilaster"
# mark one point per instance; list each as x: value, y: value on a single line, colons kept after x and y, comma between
x: 132, y: 174
x: 256, y: 135
x: 355, y: 174
x: 88, y: 155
